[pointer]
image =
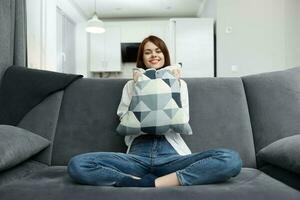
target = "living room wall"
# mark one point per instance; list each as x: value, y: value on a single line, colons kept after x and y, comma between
x: 255, y: 36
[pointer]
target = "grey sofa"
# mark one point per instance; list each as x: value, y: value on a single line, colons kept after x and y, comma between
x: 245, y: 114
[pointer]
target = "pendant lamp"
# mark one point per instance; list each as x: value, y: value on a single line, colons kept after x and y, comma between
x: 95, y: 25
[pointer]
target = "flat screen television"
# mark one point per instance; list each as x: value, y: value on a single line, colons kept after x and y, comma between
x: 129, y: 51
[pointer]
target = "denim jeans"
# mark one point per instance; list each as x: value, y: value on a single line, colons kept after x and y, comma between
x: 155, y: 155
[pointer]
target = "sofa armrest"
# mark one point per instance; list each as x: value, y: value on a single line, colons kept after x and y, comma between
x: 283, y: 153
x: 20, y: 171
x: 283, y: 175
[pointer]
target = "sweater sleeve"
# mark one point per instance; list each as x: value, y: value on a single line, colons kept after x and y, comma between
x: 126, y: 99
x: 184, y: 97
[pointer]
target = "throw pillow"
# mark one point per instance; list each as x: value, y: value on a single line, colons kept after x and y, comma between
x: 155, y: 106
x: 284, y: 153
x: 17, y: 145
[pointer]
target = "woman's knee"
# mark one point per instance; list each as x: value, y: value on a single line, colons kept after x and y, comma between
x: 79, y: 167
x: 74, y: 166
x: 232, y: 161
x: 89, y: 168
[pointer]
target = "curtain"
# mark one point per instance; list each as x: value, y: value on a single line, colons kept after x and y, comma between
x: 13, y: 36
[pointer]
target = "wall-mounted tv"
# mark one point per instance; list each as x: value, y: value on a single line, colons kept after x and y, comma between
x: 129, y: 51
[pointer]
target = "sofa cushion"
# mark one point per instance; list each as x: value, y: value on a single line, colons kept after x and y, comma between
x: 278, y: 173
x: 88, y: 119
x: 42, y: 120
x: 220, y: 122
x: 17, y: 145
x: 155, y: 107
x: 20, y: 171
x: 283, y: 153
x: 274, y: 102
x: 54, y: 183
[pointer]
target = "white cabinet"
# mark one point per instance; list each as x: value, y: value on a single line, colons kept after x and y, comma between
x: 192, y: 44
x: 105, y: 51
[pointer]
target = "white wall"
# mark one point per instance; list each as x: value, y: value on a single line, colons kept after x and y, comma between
x: 209, y: 9
x: 292, y: 33
x: 257, y: 36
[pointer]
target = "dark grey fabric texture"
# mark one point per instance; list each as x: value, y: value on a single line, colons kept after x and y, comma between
x: 88, y: 118
x: 274, y: 102
x: 17, y: 145
x: 283, y: 153
x: 42, y: 120
x: 219, y: 117
x: 26, y: 88
x: 54, y: 183
x: 13, y: 37
x: 20, y: 171
x: 282, y: 175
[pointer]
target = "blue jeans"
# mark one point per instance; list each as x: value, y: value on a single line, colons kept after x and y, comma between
x: 155, y: 155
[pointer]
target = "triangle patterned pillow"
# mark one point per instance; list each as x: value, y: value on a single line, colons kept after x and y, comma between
x: 155, y: 107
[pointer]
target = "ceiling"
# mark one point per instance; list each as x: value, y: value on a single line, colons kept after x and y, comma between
x: 110, y: 9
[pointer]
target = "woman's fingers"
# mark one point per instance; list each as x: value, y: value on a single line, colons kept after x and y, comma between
x: 176, y: 73
x: 136, y: 75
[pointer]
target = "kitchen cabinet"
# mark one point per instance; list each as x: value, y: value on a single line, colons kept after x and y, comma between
x: 105, y: 51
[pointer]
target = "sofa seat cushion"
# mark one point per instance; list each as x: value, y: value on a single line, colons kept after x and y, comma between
x: 20, y: 171
x: 54, y: 183
x: 285, y: 176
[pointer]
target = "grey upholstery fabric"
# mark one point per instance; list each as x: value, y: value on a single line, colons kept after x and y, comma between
x: 20, y: 171
x: 17, y: 145
x: 283, y: 153
x: 42, y: 120
x: 88, y: 119
x: 282, y: 175
x: 273, y: 101
x: 88, y: 124
x: 13, y: 35
x: 219, y: 117
x: 54, y: 183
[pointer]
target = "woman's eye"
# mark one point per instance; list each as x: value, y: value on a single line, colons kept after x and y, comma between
x: 158, y: 51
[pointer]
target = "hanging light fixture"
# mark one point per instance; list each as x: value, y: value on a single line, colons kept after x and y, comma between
x: 95, y: 25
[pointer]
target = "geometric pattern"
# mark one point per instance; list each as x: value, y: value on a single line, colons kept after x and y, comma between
x: 155, y: 107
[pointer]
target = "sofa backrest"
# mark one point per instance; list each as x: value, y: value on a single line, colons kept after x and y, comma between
x: 42, y: 120
x: 87, y: 121
x: 219, y: 117
x: 274, y: 105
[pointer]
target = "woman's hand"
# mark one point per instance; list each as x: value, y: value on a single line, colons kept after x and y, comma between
x: 136, y: 75
x: 176, y: 73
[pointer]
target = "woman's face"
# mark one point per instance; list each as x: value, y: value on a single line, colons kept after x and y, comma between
x: 153, y: 57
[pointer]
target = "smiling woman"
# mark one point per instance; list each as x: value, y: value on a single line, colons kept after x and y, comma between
x: 154, y: 112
